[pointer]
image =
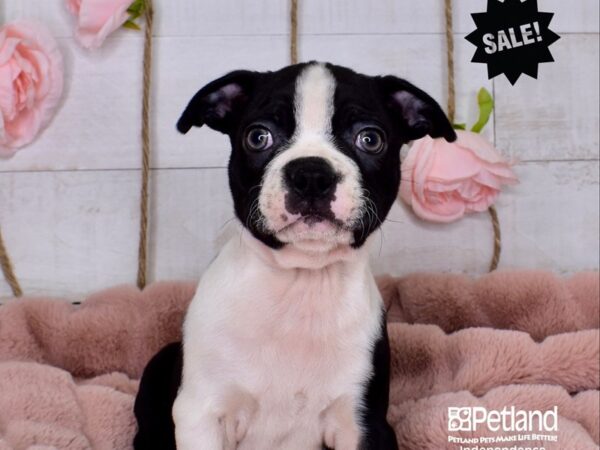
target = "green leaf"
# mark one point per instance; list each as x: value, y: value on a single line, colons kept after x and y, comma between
x: 136, y: 8
x: 459, y: 126
x: 134, y: 16
x: 486, y: 105
x: 131, y: 25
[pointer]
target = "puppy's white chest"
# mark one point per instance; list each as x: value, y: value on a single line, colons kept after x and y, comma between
x: 286, y: 356
x: 295, y: 381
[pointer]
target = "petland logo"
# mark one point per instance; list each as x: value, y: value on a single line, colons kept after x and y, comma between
x: 507, y: 420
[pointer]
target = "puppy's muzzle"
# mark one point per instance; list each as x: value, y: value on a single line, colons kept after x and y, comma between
x: 311, y: 183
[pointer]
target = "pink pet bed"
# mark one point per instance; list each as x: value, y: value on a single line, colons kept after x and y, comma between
x: 68, y: 373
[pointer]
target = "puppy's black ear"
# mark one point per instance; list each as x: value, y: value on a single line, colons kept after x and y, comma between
x: 415, y: 110
x: 219, y: 103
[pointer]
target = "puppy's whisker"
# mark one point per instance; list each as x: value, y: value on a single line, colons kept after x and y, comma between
x: 381, y: 240
x: 227, y: 222
x: 394, y: 221
x: 251, y: 212
x: 257, y: 186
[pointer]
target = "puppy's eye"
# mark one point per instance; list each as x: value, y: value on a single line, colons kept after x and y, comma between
x: 258, y: 139
x: 370, y: 140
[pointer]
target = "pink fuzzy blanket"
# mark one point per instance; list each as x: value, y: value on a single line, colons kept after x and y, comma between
x: 68, y: 374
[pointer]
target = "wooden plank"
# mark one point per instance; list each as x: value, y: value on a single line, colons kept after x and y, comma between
x: 191, y: 211
x: 556, y: 116
x: 70, y: 233
x: 268, y: 17
x: 426, y: 16
x: 572, y: 17
x: 99, y: 131
x: 553, y: 221
x: 94, y: 131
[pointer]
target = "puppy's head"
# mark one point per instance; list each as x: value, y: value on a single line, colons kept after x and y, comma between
x: 315, y: 159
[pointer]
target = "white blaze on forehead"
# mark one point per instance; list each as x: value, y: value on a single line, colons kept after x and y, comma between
x: 314, y: 100
x: 313, y: 111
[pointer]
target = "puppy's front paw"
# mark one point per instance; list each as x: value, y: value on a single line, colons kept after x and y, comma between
x: 240, y: 407
x: 340, y: 430
x: 194, y: 426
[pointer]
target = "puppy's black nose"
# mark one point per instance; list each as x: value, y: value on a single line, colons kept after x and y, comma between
x: 310, y: 177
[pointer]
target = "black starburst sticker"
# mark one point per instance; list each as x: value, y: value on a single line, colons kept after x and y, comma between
x: 512, y: 37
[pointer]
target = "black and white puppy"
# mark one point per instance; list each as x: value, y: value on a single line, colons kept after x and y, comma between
x: 285, y: 343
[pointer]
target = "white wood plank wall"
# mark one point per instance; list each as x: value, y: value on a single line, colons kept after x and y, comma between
x: 69, y: 202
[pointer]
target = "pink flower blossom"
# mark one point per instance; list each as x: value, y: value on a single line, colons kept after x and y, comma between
x: 31, y: 83
x: 443, y: 180
x: 96, y: 19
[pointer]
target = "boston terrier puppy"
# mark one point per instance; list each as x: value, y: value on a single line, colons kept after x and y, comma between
x: 285, y: 344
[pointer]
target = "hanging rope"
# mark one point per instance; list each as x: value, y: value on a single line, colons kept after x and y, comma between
x: 450, y: 61
x: 7, y: 270
x: 497, y: 238
x: 143, y: 242
x: 451, y: 113
x: 294, y: 31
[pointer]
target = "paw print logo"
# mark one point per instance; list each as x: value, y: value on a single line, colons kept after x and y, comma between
x: 459, y: 419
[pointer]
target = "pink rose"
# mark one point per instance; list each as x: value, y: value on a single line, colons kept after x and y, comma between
x: 443, y: 180
x: 31, y: 83
x: 96, y: 19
